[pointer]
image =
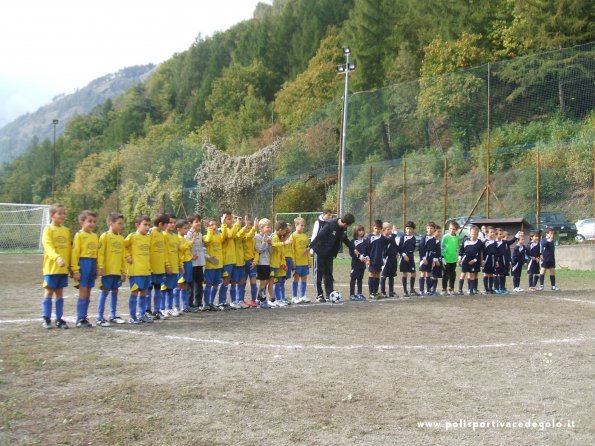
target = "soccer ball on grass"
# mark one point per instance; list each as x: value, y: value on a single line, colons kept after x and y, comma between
x: 335, y: 297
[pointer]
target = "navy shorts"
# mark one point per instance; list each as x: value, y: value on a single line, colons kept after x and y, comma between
x: 470, y: 268
x: 548, y: 264
x: 407, y: 267
x: 489, y: 267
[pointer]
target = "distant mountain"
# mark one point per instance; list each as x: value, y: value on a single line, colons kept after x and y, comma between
x: 16, y: 136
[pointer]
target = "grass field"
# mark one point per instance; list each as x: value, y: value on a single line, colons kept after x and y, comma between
x: 362, y: 373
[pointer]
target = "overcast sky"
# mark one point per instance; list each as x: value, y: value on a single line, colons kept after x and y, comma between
x: 53, y: 47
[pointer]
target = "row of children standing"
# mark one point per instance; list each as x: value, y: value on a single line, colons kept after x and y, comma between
x: 167, y: 264
x: 384, y: 251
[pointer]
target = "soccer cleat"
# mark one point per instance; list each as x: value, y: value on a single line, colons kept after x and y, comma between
x: 186, y: 310
x: 134, y: 321
x: 361, y: 297
x: 459, y: 293
x: 235, y: 306
x: 102, y: 323
x: 450, y: 292
x: 264, y: 303
x: 213, y: 307
x: 146, y: 319
x: 83, y: 323
x: 222, y: 307
x: 354, y: 297
x: 61, y: 323
x: 532, y: 288
x: 406, y: 294
x: 414, y: 293
x: 251, y: 304
x: 555, y: 288
x: 47, y: 323
x: 444, y: 293
x: 393, y: 294
x: 117, y: 320
x: 320, y: 299
x: 243, y: 304
x: 174, y: 312
x: 282, y: 303
x: 163, y: 315
x: 296, y: 300
x: 273, y: 304
x: 520, y: 290
x: 304, y: 300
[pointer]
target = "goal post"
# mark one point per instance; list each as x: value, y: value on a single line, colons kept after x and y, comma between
x: 22, y: 225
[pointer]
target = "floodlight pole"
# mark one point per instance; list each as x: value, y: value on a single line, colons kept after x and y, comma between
x: 54, y: 123
x: 346, y: 69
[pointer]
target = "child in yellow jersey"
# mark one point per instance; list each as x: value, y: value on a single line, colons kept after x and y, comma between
x: 174, y: 264
x: 137, y: 246
x: 83, y: 263
x: 56, y: 261
x: 185, y: 255
x: 288, y: 254
x: 228, y: 232
x: 278, y: 266
x: 237, y: 279
x: 214, y: 264
x: 158, y: 256
x: 248, y: 268
x: 301, y: 261
x: 111, y: 267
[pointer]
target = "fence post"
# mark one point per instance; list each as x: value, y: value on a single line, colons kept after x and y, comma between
x: 404, y: 203
x: 537, y: 198
x: 370, y: 199
x: 445, y: 192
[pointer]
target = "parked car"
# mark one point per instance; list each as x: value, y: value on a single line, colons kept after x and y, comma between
x: 556, y: 220
x: 585, y: 229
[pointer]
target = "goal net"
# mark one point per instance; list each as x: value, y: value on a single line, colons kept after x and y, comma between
x: 21, y: 226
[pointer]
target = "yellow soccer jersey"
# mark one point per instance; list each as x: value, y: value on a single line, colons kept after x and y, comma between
x: 239, y: 246
x: 212, y: 240
x: 56, y: 243
x: 228, y: 245
x: 277, y: 254
x: 288, y: 251
x: 248, y: 241
x: 158, y: 253
x: 111, y: 257
x: 85, y: 244
x: 184, y: 249
x: 299, y: 245
x: 138, y: 247
x: 172, y: 246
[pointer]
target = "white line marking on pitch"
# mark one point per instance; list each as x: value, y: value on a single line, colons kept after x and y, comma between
x: 590, y: 302
x: 574, y: 340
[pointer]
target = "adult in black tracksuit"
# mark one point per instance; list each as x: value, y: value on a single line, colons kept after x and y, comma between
x: 326, y: 246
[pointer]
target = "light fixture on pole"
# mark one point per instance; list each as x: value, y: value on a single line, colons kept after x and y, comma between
x: 344, y: 69
x: 54, y: 123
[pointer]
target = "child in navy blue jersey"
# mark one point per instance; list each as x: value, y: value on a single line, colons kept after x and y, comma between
x: 358, y: 265
x: 434, y: 253
x: 519, y: 258
x: 407, y: 262
x: 470, y: 255
x: 534, y: 253
x: 490, y: 260
x: 389, y: 267
x: 503, y: 260
x: 548, y: 259
x: 425, y: 265
x: 373, y: 252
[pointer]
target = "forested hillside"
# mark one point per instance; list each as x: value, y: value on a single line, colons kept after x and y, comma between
x: 275, y: 76
x: 29, y: 129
